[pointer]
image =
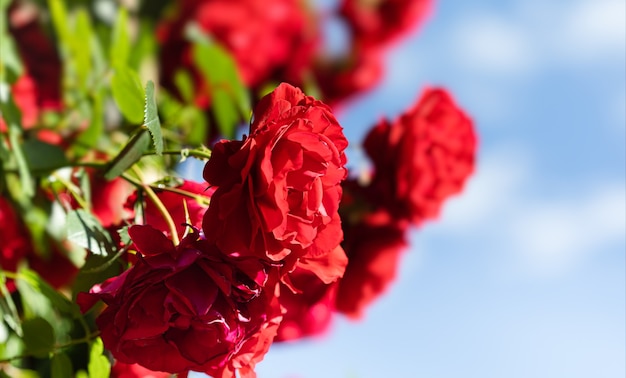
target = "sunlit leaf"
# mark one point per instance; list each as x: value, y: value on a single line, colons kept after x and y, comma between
x: 151, y: 119
x: 128, y: 93
x: 58, y: 300
x: 228, y: 93
x: 120, y: 43
x: 99, y: 366
x: 81, y: 49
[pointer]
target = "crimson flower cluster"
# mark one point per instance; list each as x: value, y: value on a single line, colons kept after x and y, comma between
x: 214, y: 302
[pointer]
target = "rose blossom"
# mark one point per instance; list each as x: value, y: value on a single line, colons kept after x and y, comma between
x: 278, y: 190
x: 421, y: 158
x: 187, y: 307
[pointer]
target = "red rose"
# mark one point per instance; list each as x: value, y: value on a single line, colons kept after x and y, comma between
x: 186, y: 308
x: 278, y: 190
x: 421, y: 158
x: 379, y: 22
x: 373, y: 246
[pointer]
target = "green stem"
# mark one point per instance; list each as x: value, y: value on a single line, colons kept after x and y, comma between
x: 157, y: 202
x: 185, y: 152
x: 82, y: 340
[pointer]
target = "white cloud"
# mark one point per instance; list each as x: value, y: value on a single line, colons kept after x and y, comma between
x: 541, y: 34
x: 551, y: 237
x: 531, y: 234
x: 595, y: 29
x: 491, y: 43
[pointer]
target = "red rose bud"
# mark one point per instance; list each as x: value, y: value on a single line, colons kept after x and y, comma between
x: 374, y: 246
x: 278, y: 190
x: 187, y: 308
x: 421, y: 158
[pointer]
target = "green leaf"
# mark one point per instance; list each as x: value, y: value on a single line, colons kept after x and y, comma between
x: 86, y: 231
x: 185, y: 85
x: 61, y: 366
x: 145, y: 45
x: 10, y: 56
x: 38, y: 337
x: 120, y: 43
x: 151, y: 119
x: 81, y: 48
x: 13, y: 118
x: 130, y: 154
x: 228, y: 93
x: 99, y: 366
x: 60, y: 20
x: 88, y: 139
x: 43, y: 157
x: 128, y: 93
x: 58, y: 300
x: 9, y: 310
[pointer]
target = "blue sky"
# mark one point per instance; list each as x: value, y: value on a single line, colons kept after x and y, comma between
x: 524, y: 274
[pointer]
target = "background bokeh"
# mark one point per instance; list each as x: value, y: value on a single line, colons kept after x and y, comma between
x: 524, y: 274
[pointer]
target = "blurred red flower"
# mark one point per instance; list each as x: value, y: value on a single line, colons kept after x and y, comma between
x: 421, y: 158
x: 376, y: 23
x: 374, y: 247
